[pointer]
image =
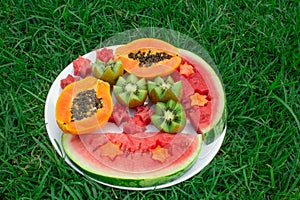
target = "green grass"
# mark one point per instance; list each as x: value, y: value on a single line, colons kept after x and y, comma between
x: 254, y: 43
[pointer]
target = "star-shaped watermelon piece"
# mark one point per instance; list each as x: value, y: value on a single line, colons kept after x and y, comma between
x: 69, y: 79
x: 104, y: 54
x: 82, y: 67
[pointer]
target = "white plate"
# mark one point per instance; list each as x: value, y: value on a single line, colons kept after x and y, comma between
x: 207, y: 153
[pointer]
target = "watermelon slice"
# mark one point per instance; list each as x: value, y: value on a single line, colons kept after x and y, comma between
x: 208, y: 119
x: 139, y: 160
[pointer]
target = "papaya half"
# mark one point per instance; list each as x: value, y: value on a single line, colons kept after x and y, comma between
x: 148, y: 57
x: 84, y: 106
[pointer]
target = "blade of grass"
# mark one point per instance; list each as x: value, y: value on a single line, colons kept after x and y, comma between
x: 289, y: 109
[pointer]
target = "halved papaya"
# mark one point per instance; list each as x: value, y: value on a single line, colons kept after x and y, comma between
x: 84, y: 106
x: 148, y: 57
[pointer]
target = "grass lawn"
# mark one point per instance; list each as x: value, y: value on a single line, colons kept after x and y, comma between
x: 254, y: 43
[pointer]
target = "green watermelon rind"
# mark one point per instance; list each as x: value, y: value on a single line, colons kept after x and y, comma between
x: 211, y: 135
x: 212, y: 132
x: 131, y: 181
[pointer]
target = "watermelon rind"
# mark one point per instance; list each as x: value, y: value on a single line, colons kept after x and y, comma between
x: 213, y: 79
x: 211, y: 135
x: 119, y: 178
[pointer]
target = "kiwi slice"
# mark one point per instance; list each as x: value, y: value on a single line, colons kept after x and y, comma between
x: 169, y: 116
x: 131, y: 91
x: 161, y: 90
x: 108, y: 71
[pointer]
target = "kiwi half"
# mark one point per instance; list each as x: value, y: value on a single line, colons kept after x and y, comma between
x: 108, y: 71
x: 131, y: 91
x: 169, y: 116
x: 161, y: 90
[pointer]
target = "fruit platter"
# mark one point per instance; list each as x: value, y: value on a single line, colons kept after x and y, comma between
x: 140, y: 116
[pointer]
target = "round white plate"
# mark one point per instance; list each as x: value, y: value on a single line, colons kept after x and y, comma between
x: 207, y: 153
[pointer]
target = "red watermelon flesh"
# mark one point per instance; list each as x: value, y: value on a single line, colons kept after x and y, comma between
x: 82, y: 67
x: 135, y: 159
x: 104, y: 54
x: 119, y: 115
x: 200, y: 116
x: 134, y: 125
x: 197, y: 83
x: 136, y: 150
x: 212, y: 81
x: 144, y: 112
x: 204, y: 81
x: 68, y: 80
x: 187, y: 88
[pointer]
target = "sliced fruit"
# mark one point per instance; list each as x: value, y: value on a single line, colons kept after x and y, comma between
x: 164, y: 90
x: 111, y: 150
x: 119, y: 114
x: 104, y: 54
x: 207, y: 118
x: 198, y: 99
x: 169, y: 117
x: 108, y: 71
x: 131, y: 91
x: 198, y: 83
x: 144, y: 113
x: 134, y: 125
x: 186, y: 69
x: 148, y: 57
x: 84, y: 106
x: 69, y: 79
x: 82, y: 67
x: 160, y: 153
x: 139, y: 160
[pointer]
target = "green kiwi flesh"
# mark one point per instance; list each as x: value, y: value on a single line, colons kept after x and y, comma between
x: 108, y: 71
x: 169, y: 116
x: 131, y: 91
x: 161, y: 90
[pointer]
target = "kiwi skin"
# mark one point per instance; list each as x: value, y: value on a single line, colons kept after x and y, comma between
x: 131, y: 91
x: 169, y: 117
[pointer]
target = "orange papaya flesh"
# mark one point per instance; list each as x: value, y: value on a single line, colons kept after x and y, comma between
x: 149, y: 57
x: 84, y: 106
x: 146, y: 43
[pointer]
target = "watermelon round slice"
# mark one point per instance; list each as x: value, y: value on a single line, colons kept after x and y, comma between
x: 133, y: 160
x: 208, y: 118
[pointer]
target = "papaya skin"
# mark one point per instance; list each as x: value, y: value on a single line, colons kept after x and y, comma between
x: 90, y: 124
